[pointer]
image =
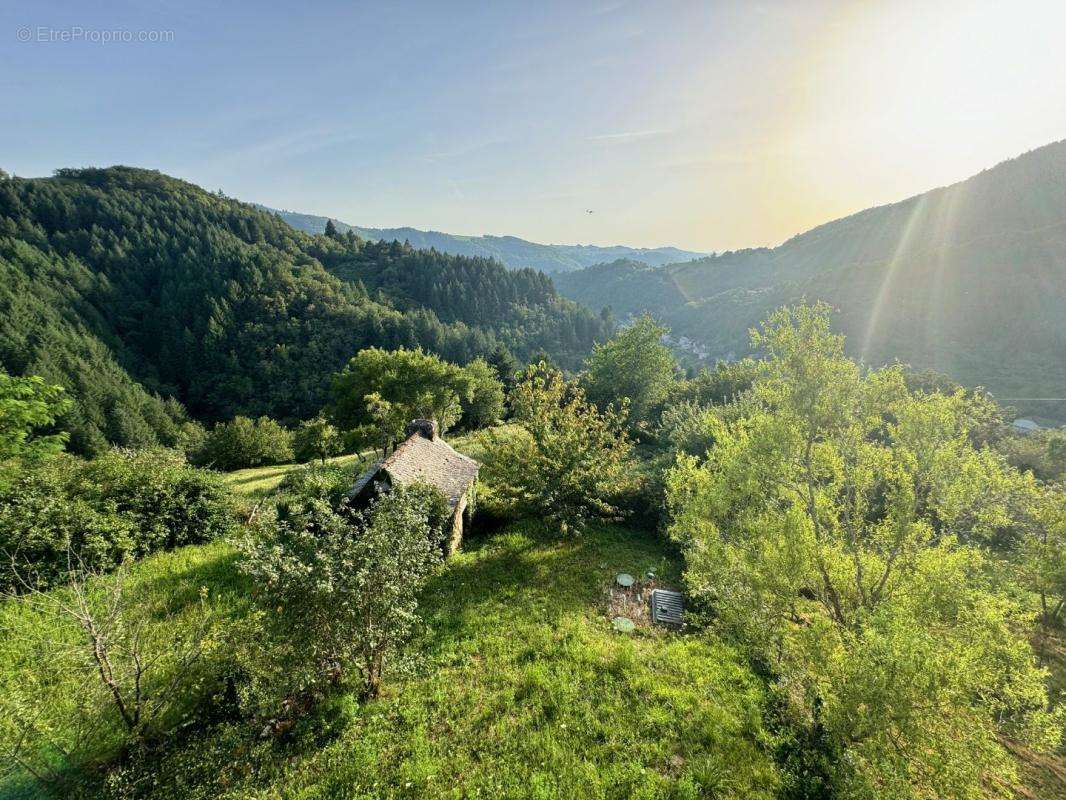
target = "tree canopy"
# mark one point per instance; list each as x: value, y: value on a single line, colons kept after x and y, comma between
x: 244, y: 442
x: 845, y: 528
x: 144, y: 296
x: 26, y: 406
x: 568, y: 460
x: 636, y: 365
x: 389, y: 388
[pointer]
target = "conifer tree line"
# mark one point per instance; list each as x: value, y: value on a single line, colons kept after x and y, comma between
x: 154, y: 303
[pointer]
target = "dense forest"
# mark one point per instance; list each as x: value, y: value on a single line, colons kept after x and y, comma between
x: 969, y: 280
x: 146, y: 296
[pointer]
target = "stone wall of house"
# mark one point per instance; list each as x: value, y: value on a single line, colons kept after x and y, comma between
x: 456, y: 537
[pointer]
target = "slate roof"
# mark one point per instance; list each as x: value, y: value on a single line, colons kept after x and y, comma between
x: 418, y: 459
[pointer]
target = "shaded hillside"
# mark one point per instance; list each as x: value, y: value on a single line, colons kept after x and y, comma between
x: 129, y: 287
x: 969, y: 279
x: 619, y: 283
x: 508, y: 250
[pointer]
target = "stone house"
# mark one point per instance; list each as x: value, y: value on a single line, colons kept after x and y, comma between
x: 423, y: 457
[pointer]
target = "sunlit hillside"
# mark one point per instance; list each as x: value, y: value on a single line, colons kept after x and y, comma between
x: 969, y: 280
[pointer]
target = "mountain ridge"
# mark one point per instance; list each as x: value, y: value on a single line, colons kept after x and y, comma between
x: 511, y: 251
x: 968, y: 279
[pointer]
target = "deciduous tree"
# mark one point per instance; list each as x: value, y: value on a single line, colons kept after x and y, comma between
x: 26, y: 406
x: 317, y: 438
x: 567, y: 460
x: 244, y: 442
x: 485, y: 406
x: 841, y: 526
x: 635, y: 366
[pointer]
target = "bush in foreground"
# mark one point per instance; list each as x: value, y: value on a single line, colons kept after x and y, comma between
x: 337, y: 591
x: 125, y: 504
x: 848, y: 532
x: 97, y: 669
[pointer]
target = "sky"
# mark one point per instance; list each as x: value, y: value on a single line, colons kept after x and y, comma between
x: 703, y: 125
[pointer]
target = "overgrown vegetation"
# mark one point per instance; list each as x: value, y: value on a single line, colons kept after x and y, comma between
x: 337, y: 588
x: 848, y: 532
x: 864, y: 563
x: 567, y: 461
x: 124, y: 504
x: 244, y: 442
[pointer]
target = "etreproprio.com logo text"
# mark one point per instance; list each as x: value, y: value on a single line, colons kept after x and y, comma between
x: 76, y: 33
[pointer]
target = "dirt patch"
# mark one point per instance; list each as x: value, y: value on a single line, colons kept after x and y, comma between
x: 633, y: 602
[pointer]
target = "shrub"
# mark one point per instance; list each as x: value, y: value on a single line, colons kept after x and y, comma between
x: 101, y: 667
x: 724, y: 384
x: 243, y: 442
x: 318, y: 481
x: 337, y: 590
x: 171, y: 503
x: 42, y: 521
x: 1043, y: 453
x: 689, y: 428
x: 125, y: 503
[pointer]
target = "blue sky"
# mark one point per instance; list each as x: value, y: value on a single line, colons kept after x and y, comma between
x: 702, y: 125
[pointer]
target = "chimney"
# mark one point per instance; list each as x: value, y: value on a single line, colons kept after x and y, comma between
x: 426, y: 428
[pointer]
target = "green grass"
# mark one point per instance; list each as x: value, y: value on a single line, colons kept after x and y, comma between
x: 523, y: 690
x: 257, y: 482
x: 43, y: 658
x: 527, y: 692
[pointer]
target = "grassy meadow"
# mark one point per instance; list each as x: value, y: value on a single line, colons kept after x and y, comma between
x: 259, y: 482
x: 521, y: 688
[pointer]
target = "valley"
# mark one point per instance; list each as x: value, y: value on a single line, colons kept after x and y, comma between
x: 968, y: 280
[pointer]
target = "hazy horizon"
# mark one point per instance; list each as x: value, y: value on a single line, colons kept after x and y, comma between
x: 703, y: 126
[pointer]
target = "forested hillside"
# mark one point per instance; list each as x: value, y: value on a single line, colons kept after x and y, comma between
x: 142, y: 294
x: 968, y: 279
x: 508, y: 250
